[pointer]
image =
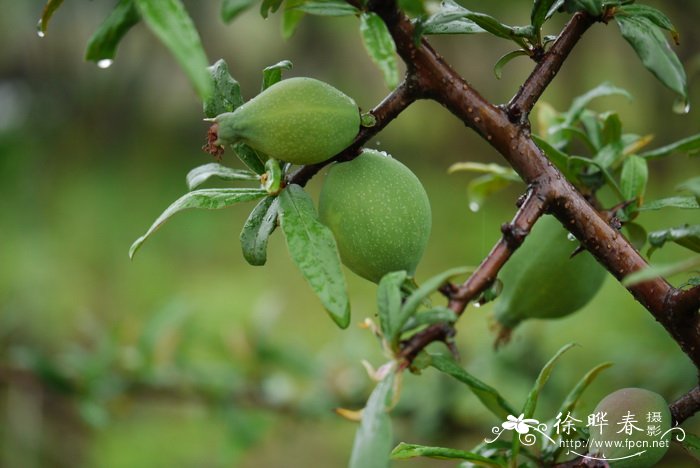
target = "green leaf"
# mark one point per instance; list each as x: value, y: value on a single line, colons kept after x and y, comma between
x: 653, y: 50
x: 257, y: 229
x: 413, y: 7
x: 579, y: 104
x: 268, y: 6
x: 496, y: 169
x: 171, y: 23
x: 102, y: 46
x: 373, y: 439
x: 574, y: 395
x: 558, y: 157
x: 687, y: 145
x: 633, y: 179
x: 489, y: 396
x: 636, y: 234
x: 273, y: 73
x: 692, y: 186
x: 208, y: 199
x: 389, y: 301
x: 232, y: 8
x: 250, y: 157
x: 670, y: 202
x: 49, y: 9
x: 687, y: 236
x: 542, y: 378
x: 416, y: 298
x: 404, y: 451
x: 291, y: 17
x: 312, y: 248
x: 479, y: 189
x: 593, y: 7
x: 657, y: 271
x: 652, y: 14
x: 380, y: 47
x: 201, y: 174
x: 438, y: 314
x: 504, y: 60
x: 541, y: 12
x: 226, y: 95
x: 328, y: 8
x: 691, y: 444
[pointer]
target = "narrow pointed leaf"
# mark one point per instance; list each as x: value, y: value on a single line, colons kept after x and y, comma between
x: 539, y: 13
x: 208, y: 199
x: 104, y: 42
x: 328, y: 8
x: 389, y: 300
x: 171, y: 23
x: 482, y: 168
x: 558, y: 157
x: 273, y: 73
x: 291, y: 17
x: 312, y: 248
x: 374, y: 438
x: 652, y: 14
x: 481, y: 188
x: 488, y: 395
x: 634, y: 176
x: 542, y: 378
x: 226, y: 95
x: 404, y: 451
x: 435, y: 315
x: 662, y: 271
x: 49, y: 9
x: 670, y: 202
x: 201, y: 174
x: 257, y: 229
x: 251, y: 158
x: 268, y: 6
x: 504, y: 60
x: 572, y: 399
x: 687, y: 235
x: 380, y: 47
x: 230, y: 9
x: 687, y: 145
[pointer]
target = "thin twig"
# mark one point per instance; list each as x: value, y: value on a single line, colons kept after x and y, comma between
x: 686, y: 406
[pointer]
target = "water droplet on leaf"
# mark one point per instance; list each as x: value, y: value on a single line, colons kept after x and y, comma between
x: 477, y: 304
x: 105, y: 63
x: 474, y: 206
x: 681, y: 106
x: 571, y: 237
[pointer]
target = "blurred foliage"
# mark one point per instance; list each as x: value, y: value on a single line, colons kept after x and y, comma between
x: 188, y: 356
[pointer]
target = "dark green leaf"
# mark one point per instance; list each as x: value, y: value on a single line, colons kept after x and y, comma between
x: 503, y: 61
x: 479, y: 189
x: 688, y: 145
x: 540, y: 12
x: 488, y: 395
x: 405, y: 451
x: 653, y: 50
x: 656, y: 271
x: 687, y: 235
x: 201, y: 174
x: 257, y: 229
x: 389, y: 301
x: 542, y: 378
x: 291, y: 17
x: 373, y: 439
x: 312, y: 248
x: 268, y: 6
x: 670, y: 202
x: 435, y: 315
x: 634, y: 176
x: 593, y: 7
x: 611, y: 133
x: 413, y: 7
x: 594, y: 130
x: 102, y: 46
x: 232, y: 8
x: 572, y: 399
x: 577, y: 107
x: 416, y: 298
x: 558, y: 157
x: 328, y: 8
x: 636, y: 234
x: 171, y: 23
x: 49, y: 9
x: 380, y: 47
x: 250, y: 157
x: 273, y: 73
x: 652, y: 14
x: 691, y: 444
x: 495, y: 169
x: 208, y: 199
x: 226, y: 95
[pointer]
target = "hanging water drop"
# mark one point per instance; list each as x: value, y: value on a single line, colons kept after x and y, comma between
x: 474, y: 206
x: 681, y: 105
x: 105, y: 63
x: 40, y: 33
x: 477, y: 304
x: 570, y: 237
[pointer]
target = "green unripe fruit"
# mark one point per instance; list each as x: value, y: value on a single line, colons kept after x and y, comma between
x: 298, y: 120
x: 541, y: 280
x: 379, y: 214
x: 650, y: 412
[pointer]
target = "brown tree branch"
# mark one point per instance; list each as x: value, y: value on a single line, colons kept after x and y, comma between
x: 686, y: 406
x: 438, y: 81
x: 392, y: 105
x: 529, y: 93
x: 514, y: 233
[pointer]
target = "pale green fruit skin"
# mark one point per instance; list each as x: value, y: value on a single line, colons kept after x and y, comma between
x: 298, y: 120
x: 379, y: 214
x: 639, y: 402
x: 540, y: 280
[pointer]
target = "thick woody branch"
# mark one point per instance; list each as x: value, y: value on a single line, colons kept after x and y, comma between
x: 438, y: 81
x: 547, y: 68
x: 395, y: 103
x: 686, y: 406
x: 514, y: 233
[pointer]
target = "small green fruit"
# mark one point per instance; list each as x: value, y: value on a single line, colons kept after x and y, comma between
x: 643, y: 443
x: 540, y: 280
x: 298, y: 120
x: 379, y: 214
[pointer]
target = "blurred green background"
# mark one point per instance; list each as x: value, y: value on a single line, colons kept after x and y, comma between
x: 187, y: 356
